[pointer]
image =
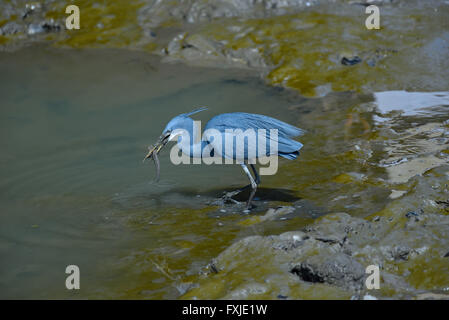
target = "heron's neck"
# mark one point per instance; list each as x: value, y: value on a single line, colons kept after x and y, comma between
x: 192, y: 145
x: 193, y: 150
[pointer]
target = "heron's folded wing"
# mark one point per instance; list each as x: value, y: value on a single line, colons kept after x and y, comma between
x: 244, y: 121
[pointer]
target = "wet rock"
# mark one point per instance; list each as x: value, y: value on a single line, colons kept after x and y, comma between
x: 248, y: 289
x: 26, y: 21
x: 396, y: 194
x: 11, y: 28
x: 51, y: 25
x: 176, y: 44
x: 183, y: 287
x: 269, y: 43
x: 271, y: 214
x: 432, y: 296
x: 290, y: 241
x: 339, y: 269
x: 278, y: 38
x: 31, y: 8
x: 399, y: 253
x: 331, y: 256
x: 35, y: 28
x: 156, y: 13
x: 202, y: 44
x: 194, y: 49
x: 350, y: 61
x: 411, y: 214
x: 251, y: 57
x: 398, y: 284
x: 45, y: 26
x: 444, y: 204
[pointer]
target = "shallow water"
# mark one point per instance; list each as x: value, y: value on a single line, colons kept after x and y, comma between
x: 75, y: 125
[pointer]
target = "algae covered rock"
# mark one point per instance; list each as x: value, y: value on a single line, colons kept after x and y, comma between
x: 329, y: 259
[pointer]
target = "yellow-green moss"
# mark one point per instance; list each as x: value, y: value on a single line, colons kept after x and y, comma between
x: 112, y: 25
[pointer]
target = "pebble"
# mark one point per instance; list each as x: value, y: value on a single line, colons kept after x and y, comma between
x: 351, y: 61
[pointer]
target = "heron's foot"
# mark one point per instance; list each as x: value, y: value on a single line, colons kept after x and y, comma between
x: 227, y: 196
x: 248, y: 208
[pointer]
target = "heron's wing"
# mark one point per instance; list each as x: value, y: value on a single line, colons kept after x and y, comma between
x: 244, y: 121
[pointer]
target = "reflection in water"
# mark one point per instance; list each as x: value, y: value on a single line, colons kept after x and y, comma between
x: 415, y: 124
x: 410, y: 103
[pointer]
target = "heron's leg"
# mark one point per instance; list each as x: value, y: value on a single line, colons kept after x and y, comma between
x: 256, y: 175
x: 253, y: 185
x: 227, y: 196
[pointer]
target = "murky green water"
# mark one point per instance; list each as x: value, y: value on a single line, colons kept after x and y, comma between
x: 74, y: 128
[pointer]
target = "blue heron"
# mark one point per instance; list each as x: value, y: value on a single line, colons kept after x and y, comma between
x: 273, y: 138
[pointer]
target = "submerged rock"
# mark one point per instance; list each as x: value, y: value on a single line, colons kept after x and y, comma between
x: 44, y: 26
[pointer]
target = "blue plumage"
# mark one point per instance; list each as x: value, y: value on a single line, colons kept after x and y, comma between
x: 242, y: 120
x: 250, y: 136
x: 287, y: 147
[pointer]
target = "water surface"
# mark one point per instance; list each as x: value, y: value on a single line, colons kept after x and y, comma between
x: 75, y: 125
x: 74, y: 128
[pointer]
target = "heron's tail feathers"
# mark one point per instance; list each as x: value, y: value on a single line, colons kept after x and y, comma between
x: 287, y: 130
x: 288, y: 148
x: 289, y: 156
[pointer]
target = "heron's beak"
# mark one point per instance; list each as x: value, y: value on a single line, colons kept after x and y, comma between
x: 156, y: 148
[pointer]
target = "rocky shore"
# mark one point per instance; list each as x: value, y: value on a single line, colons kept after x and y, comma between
x: 329, y: 259
x: 315, y: 49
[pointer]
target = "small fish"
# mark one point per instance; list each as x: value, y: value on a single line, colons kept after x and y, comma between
x: 158, y: 166
x: 152, y: 153
x: 154, y: 150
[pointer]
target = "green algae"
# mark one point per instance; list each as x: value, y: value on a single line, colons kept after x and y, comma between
x: 304, y: 49
x: 302, y: 61
x: 3, y: 39
x: 111, y: 24
x: 104, y: 25
x: 240, y: 274
x: 427, y: 272
x: 173, y: 245
x: 172, y: 249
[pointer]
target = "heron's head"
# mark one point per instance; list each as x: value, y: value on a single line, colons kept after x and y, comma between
x: 173, y: 129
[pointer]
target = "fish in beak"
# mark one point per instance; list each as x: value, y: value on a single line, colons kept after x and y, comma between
x: 154, y: 150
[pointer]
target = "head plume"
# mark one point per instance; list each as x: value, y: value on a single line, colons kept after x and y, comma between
x: 194, y: 111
